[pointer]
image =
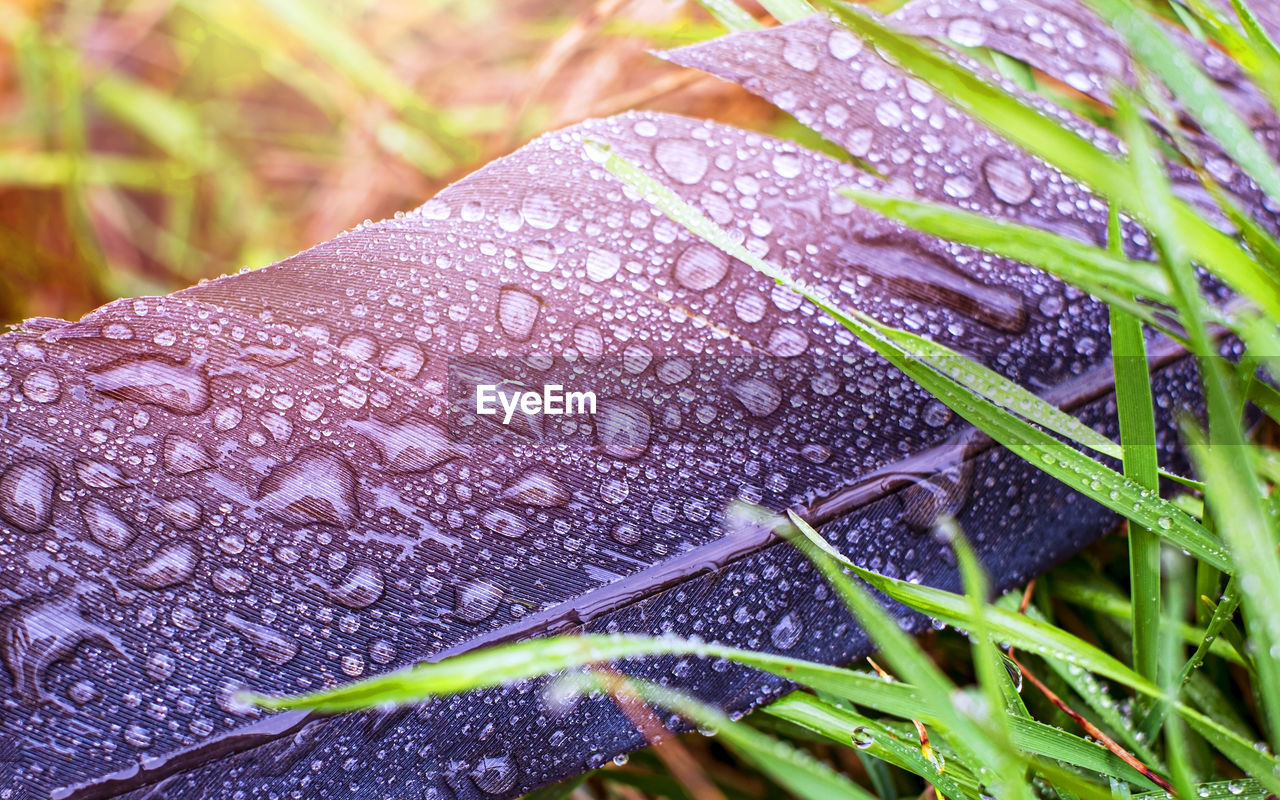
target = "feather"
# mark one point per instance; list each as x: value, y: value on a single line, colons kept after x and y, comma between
x: 279, y: 479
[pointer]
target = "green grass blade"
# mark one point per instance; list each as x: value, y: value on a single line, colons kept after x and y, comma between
x: 730, y: 14
x: 1152, y: 48
x: 1038, y: 448
x: 1234, y: 496
x: 788, y: 10
x: 1104, y: 274
x: 1069, y: 151
x: 1136, y: 413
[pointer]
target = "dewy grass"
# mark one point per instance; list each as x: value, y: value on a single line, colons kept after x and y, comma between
x: 1163, y: 716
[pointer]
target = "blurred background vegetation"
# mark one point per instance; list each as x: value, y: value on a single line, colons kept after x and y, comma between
x: 146, y: 144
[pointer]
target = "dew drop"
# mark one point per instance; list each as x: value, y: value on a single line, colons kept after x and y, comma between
x: 758, y: 396
x: 41, y: 386
x: 99, y: 474
x: 183, y: 456
x: 173, y: 564
x: 105, y: 525
x: 26, y: 494
x: 517, y: 312
x: 684, y: 160
x: 786, y: 633
x: 540, y: 211
x: 270, y: 644
x: 1008, y: 180
x: 317, y: 486
x: 602, y: 265
x: 403, y: 360
x: 180, y: 388
x: 360, y: 588
x: 476, y: 601
x: 701, y: 266
x: 536, y: 488
x: 623, y: 429
x: 967, y: 32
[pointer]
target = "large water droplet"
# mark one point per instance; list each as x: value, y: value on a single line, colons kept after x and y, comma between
x: 26, y: 494
x: 540, y: 211
x: 684, y: 160
x: 503, y: 523
x: 360, y: 587
x: 173, y: 564
x: 799, y: 55
x: 495, y: 774
x: 39, y: 631
x: 105, y: 525
x: 41, y: 386
x: 411, y: 445
x: 403, y: 360
x: 99, y: 474
x: 517, y: 312
x: 1008, y: 180
x: 623, y: 429
x: 270, y: 644
x: 536, y: 488
x: 230, y: 580
x: 602, y: 265
x: 786, y: 633
x: 540, y: 256
x: 359, y: 347
x: 183, y: 513
x: 967, y: 32
x: 758, y: 396
x: 701, y: 266
x: 178, y: 387
x: 183, y: 455
x: 476, y: 601
x: 786, y: 341
x: 317, y: 486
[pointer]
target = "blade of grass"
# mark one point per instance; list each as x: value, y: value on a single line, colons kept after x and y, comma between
x: 1038, y: 448
x: 1048, y: 138
x: 730, y: 14
x: 1141, y: 465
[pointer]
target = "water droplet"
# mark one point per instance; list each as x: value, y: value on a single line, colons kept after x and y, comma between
x: 701, y: 266
x: 270, y: 644
x: 230, y: 580
x: 183, y: 455
x: 843, y: 44
x: 622, y: 429
x: 750, y: 307
x: 39, y: 631
x: 160, y: 666
x: 227, y: 418
x: 137, y: 736
x: 540, y: 256
x: 178, y: 387
x: 41, y: 386
x: 799, y: 55
x: 684, y: 160
x: 758, y: 396
x: 517, y: 312
x: 411, y: 445
x: 173, y: 564
x: 626, y: 533
x: 861, y: 737
x: 1008, y: 180
x: 540, y: 211
x: 105, y: 525
x: 602, y: 265
x: 967, y: 32
x: 359, y: 347
x: 476, y: 601
x: 183, y: 513
x: 787, y: 342
x: 495, y: 774
x: 636, y: 358
x: 589, y: 341
x: 503, y: 523
x: 26, y: 494
x: 786, y: 632
x: 360, y: 588
x: 536, y: 488
x: 317, y: 486
x: 403, y: 360
x: 99, y: 474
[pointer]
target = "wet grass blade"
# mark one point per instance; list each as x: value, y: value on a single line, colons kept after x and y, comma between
x: 1106, y: 275
x: 1141, y: 464
x: 788, y: 10
x: 1029, y: 442
x: 730, y: 14
x: 1068, y: 150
